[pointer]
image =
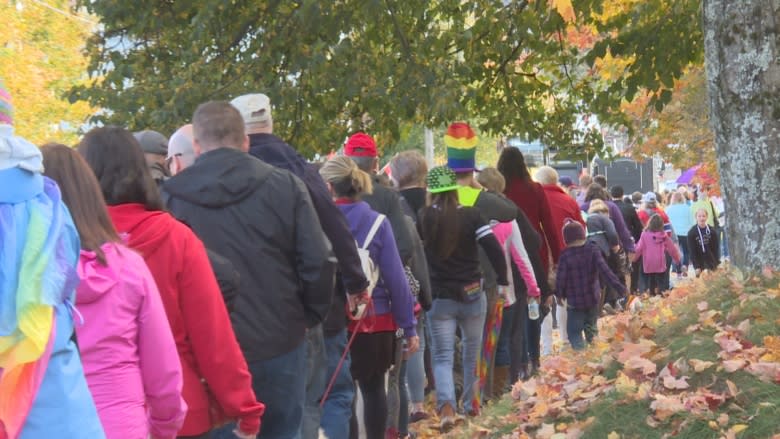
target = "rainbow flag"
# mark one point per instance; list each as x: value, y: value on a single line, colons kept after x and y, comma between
x: 489, y: 345
x: 38, y: 253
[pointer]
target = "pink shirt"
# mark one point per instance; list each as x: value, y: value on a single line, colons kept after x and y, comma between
x: 129, y: 357
x: 511, y: 240
x: 652, y: 247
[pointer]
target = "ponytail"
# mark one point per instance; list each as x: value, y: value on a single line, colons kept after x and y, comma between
x: 346, y: 179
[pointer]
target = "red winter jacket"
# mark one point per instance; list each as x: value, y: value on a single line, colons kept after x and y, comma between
x: 562, y: 206
x: 199, y: 321
x: 529, y: 196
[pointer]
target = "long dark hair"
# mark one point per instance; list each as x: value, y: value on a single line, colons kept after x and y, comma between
x: 511, y: 164
x: 82, y: 194
x: 440, y: 223
x: 118, y: 162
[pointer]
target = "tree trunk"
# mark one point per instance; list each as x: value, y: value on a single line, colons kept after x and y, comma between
x: 741, y: 42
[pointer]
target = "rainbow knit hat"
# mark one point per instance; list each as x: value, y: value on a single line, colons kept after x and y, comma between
x: 6, y: 116
x: 461, y: 147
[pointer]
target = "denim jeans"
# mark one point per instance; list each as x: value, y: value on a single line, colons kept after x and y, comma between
x: 415, y: 367
x: 443, y: 318
x: 316, y: 381
x: 678, y: 268
x: 337, y: 410
x: 280, y: 384
x: 579, y: 321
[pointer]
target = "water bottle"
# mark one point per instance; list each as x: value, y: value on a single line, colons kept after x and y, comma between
x: 533, y: 309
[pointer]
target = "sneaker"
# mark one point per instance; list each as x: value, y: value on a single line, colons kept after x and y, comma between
x: 418, y: 416
x: 447, y: 418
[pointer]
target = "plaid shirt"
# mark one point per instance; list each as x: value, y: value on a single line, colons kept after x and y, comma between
x: 578, y: 280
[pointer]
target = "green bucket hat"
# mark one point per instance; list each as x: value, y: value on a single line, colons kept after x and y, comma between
x: 441, y: 179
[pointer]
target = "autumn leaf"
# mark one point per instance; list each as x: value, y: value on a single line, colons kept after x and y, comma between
x: 702, y: 306
x: 565, y: 8
x: 546, y: 432
x: 666, y: 406
x: 644, y: 365
x: 765, y: 371
x: 631, y: 350
x: 699, y: 365
x: 613, y: 435
x: 625, y: 385
x: 734, y: 365
x: 733, y: 390
x: 772, y: 345
x: 727, y: 343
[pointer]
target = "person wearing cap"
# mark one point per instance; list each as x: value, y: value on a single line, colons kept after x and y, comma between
x: 458, y: 298
x: 42, y: 386
x: 577, y: 283
x: 324, y: 343
x: 361, y: 148
x: 181, y: 151
x: 596, y: 191
x: 155, y: 147
x: 262, y: 219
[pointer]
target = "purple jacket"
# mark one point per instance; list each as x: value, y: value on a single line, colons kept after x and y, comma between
x: 620, y: 224
x: 651, y: 248
x: 391, y: 294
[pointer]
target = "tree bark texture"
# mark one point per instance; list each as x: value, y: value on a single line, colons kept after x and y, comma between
x: 741, y: 42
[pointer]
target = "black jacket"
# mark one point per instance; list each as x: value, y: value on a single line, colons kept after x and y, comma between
x: 276, y: 152
x: 387, y: 202
x: 631, y: 218
x: 228, y: 278
x: 261, y: 219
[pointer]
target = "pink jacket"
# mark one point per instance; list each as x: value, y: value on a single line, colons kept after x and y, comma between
x: 510, y: 232
x: 652, y: 247
x: 130, y: 359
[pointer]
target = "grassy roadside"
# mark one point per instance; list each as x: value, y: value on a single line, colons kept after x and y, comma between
x: 703, y: 362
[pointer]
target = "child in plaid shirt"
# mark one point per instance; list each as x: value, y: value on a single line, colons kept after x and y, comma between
x: 578, y: 286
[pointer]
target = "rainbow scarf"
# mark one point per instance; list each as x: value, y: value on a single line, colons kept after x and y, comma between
x: 38, y: 254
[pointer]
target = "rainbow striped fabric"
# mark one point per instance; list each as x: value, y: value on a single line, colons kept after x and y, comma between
x: 38, y: 253
x: 461, y: 145
x: 6, y: 113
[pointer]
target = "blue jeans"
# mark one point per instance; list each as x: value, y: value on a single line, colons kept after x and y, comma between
x: 415, y: 367
x: 280, y: 384
x: 579, y: 321
x: 443, y: 319
x: 337, y: 409
x: 316, y: 381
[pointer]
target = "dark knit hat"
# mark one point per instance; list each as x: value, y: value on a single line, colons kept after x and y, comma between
x: 573, y: 231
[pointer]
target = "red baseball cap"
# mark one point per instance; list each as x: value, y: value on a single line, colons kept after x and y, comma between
x: 360, y: 145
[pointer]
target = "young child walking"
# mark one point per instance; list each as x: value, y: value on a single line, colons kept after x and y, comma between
x: 653, y: 246
x: 703, y: 244
x: 579, y: 267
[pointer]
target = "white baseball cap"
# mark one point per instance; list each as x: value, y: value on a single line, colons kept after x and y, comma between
x: 255, y: 109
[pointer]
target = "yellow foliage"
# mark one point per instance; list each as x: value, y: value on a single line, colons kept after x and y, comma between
x: 40, y: 60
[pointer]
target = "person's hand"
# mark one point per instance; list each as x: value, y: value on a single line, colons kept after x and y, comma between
x: 412, y: 345
x: 698, y: 272
x: 503, y: 291
x: 355, y: 300
x: 549, y: 301
x: 241, y: 435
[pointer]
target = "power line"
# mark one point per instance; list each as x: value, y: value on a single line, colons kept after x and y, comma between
x: 61, y: 12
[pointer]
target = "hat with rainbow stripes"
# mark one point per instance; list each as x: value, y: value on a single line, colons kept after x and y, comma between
x: 461, y: 145
x: 6, y: 116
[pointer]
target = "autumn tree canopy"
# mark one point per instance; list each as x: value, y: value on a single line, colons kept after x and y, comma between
x: 516, y: 67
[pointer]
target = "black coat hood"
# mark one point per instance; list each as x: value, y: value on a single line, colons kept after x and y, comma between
x: 219, y: 178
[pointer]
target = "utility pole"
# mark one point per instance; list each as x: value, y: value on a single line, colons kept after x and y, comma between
x: 429, y: 147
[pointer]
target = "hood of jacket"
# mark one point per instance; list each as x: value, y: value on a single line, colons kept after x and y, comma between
x: 97, y: 278
x: 219, y: 178
x: 658, y: 238
x: 355, y: 213
x: 276, y: 152
x: 141, y: 229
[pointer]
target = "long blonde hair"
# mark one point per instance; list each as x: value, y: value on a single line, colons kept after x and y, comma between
x: 346, y: 179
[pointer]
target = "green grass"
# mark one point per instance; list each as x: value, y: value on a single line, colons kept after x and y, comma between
x: 757, y: 404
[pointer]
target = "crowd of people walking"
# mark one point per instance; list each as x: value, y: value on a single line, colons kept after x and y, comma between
x: 218, y: 285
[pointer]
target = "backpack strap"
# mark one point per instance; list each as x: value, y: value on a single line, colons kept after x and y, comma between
x: 373, y: 230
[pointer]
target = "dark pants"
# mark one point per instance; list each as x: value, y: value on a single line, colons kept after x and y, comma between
x: 579, y: 321
x: 337, y: 410
x: 374, y: 405
x: 280, y: 383
x: 636, y: 273
x: 516, y: 330
x: 655, y: 282
x: 316, y: 381
x: 678, y: 268
x: 533, y: 335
